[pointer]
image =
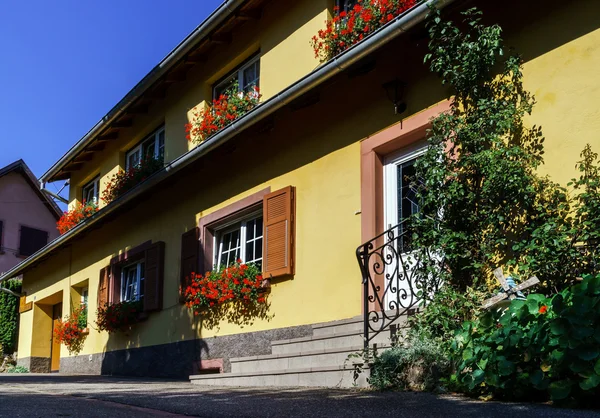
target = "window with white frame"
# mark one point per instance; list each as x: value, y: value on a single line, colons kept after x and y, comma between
x: 84, y: 297
x: 91, y: 191
x: 346, y: 5
x: 247, y: 76
x: 240, y: 240
x: 151, y: 147
x: 132, y: 282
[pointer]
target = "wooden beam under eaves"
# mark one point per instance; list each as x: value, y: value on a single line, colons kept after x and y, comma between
x: 138, y: 109
x: 73, y: 166
x: 249, y: 14
x: 122, y: 123
x: 85, y: 156
x: 221, y: 38
x: 109, y: 136
x: 96, y: 146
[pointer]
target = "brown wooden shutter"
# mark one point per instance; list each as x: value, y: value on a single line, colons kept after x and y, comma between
x: 190, y: 252
x: 154, y: 278
x: 103, y: 286
x: 114, y: 277
x: 279, y: 213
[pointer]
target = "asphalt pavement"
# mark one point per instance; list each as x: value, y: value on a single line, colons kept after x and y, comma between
x: 31, y: 395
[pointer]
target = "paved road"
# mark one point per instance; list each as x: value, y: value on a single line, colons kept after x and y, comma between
x: 95, y: 396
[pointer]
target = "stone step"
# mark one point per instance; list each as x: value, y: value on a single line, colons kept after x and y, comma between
x: 317, y: 358
x: 332, y: 376
x: 344, y: 326
x: 325, y: 342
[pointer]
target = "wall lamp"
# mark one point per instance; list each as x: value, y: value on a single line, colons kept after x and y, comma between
x: 395, y: 91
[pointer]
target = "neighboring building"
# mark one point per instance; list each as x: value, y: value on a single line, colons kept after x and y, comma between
x: 324, y: 144
x: 27, y: 216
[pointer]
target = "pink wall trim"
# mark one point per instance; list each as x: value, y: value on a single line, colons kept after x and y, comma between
x: 373, y: 150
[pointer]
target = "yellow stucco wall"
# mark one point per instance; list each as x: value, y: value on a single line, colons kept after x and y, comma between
x: 317, y: 150
x: 281, y: 38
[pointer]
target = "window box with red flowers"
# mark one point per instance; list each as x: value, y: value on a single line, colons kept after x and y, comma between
x: 242, y: 283
x: 225, y: 109
x: 125, y: 180
x: 120, y: 317
x: 72, y: 218
x: 350, y: 27
x: 72, y: 331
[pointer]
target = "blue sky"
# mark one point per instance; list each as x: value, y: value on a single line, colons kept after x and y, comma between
x: 66, y: 63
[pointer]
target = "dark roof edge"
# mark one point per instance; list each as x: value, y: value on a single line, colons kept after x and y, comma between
x: 210, y: 23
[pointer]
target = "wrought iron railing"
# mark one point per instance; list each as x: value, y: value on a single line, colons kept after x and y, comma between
x: 394, y: 279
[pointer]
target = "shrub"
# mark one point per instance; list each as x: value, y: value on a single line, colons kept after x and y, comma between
x: 418, y: 364
x: 72, y: 218
x: 350, y: 27
x: 441, y: 317
x: 9, y: 313
x: 224, y: 110
x: 118, y: 316
x: 17, y: 369
x: 70, y: 331
x: 123, y: 181
x: 238, y: 282
x: 539, y: 348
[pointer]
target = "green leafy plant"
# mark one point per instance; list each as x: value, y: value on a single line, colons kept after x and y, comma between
x: 9, y: 313
x: 440, y: 319
x: 416, y: 364
x: 539, y: 348
x: 484, y: 203
x: 17, y: 369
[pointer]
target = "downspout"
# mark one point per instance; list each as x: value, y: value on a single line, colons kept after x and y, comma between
x: 333, y: 67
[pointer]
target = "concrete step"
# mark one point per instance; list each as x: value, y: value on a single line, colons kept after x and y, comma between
x: 344, y: 326
x: 317, y: 358
x: 325, y: 342
x: 332, y: 376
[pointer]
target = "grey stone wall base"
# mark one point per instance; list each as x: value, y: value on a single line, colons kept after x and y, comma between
x: 35, y: 364
x: 181, y: 359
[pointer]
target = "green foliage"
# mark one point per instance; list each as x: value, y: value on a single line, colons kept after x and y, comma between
x: 539, y: 348
x: 444, y: 315
x: 417, y: 365
x: 17, y: 369
x: 484, y: 204
x: 9, y: 313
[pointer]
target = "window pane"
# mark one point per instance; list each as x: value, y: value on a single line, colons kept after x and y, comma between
x: 230, y: 247
x: 133, y: 159
x: 251, y: 76
x: 224, y: 85
x: 254, y: 231
x: 161, y: 145
x: 148, y: 148
x: 140, y: 291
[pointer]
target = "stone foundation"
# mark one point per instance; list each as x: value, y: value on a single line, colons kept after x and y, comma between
x: 181, y: 359
x: 35, y: 364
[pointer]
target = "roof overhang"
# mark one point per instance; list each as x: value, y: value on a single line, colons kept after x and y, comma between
x: 194, y: 49
x: 323, y: 73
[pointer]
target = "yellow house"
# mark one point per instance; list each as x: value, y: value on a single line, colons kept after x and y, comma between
x: 316, y: 161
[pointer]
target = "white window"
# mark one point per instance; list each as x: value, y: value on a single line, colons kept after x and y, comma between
x: 240, y: 240
x: 247, y: 76
x: 132, y: 282
x: 84, y: 297
x: 151, y: 147
x: 91, y: 191
x: 346, y: 5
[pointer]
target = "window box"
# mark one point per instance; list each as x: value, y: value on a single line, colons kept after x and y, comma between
x: 123, y: 181
x: 131, y: 287
x: 72, y: 218
x: 233, y: 97
x: 353, y: 21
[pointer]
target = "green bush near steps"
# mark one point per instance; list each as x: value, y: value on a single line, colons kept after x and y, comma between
x: 538, y: 349
x: 9, y: 313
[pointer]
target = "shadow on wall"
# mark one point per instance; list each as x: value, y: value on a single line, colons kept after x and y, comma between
x: 184, y: 357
